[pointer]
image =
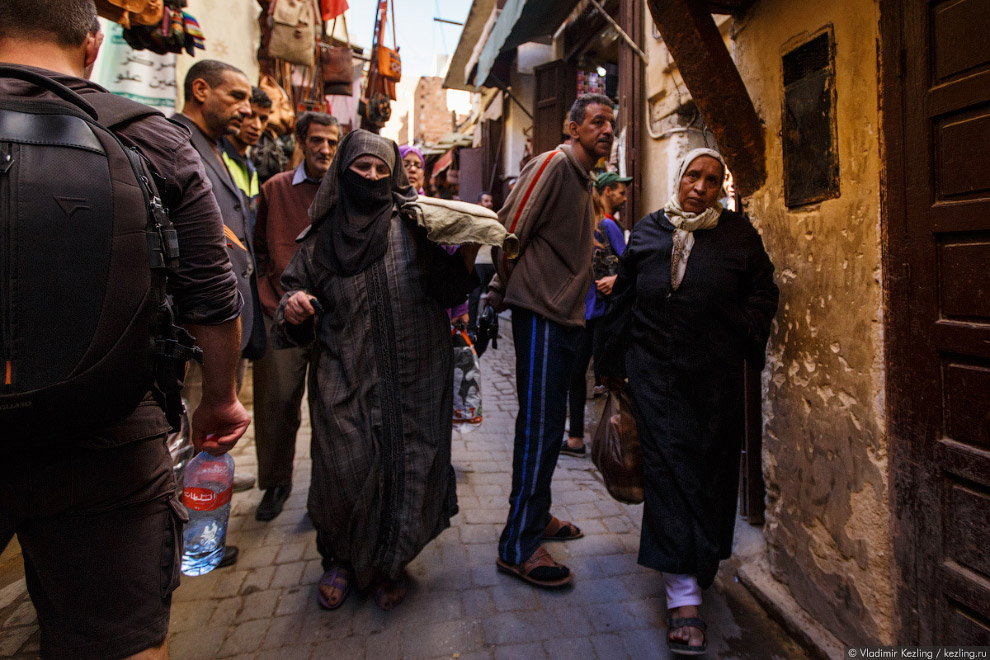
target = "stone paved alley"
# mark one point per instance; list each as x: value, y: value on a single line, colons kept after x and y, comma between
x: 459, y: 606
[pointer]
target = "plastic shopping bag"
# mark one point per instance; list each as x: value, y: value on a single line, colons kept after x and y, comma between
x: 467, y: 383
x: 615, y: 449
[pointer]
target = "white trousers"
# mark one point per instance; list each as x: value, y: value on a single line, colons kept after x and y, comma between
x: 681, y: 590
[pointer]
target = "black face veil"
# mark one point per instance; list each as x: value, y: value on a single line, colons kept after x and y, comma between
x: 353, y: 214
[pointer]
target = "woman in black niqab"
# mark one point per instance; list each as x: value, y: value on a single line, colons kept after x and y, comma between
x: 381, y: 380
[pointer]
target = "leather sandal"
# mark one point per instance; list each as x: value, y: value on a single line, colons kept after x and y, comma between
x: 390, y: 593
x: 682, y: 648
x: 561, y: 530
x: 540, y: 569
x: 337, y: 578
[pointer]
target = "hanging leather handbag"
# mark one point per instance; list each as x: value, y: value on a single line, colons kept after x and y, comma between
x: 336, y: 64
x: 283, y: 117
x: 389, y: 63
x: 293, y: 31
x: 131, y: 12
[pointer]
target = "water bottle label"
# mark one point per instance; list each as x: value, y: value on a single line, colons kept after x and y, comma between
x: 204, y: 499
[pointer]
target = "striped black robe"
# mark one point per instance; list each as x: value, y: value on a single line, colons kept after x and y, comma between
x: 380, y: 399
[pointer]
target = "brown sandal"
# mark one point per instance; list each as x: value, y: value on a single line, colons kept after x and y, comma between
x: 561, y: 530
x: 390, y: 593
x: 540, y: 569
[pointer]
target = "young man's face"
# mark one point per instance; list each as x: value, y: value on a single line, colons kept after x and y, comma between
x: 487, y: 202
x: 616, y: 196
x: 254, y: 125
x: 596, y: 131
x: 319, y: 147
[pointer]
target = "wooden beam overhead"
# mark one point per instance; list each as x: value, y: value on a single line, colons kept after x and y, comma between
x: 695, y: 43
x: 729, y: 6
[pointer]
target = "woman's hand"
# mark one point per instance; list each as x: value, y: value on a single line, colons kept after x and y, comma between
x: 298, y: 308
x: 605, y: 284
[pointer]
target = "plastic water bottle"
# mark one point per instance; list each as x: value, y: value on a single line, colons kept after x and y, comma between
x: 209, y: 484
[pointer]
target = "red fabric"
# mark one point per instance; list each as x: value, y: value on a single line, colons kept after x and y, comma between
x: 331, y: 9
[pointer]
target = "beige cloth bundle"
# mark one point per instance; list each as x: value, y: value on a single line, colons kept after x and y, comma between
x: 452, y: 222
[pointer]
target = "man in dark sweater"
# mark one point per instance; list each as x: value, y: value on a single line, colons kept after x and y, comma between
x: 280, y: 376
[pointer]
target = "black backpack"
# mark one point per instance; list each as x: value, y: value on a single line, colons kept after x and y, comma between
x: 85, y: 325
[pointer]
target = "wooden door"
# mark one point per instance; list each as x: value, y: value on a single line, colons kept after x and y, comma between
x: 631, y: 104
x: 556, y: 89
x: 491, y: 159
x: 937, y: 212
x: 470, y: 179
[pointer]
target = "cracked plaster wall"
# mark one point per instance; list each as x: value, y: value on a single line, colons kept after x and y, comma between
x: 825, y: 446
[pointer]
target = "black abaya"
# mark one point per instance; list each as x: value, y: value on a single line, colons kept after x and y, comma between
x: 683, y: 352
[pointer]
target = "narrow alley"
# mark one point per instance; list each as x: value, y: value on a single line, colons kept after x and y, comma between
x: 265, y: 606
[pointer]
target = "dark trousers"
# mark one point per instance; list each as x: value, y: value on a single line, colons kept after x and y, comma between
x: 544, y: 359
x: 485, y: 273
x: 578, y: 388
x: 279, y: 383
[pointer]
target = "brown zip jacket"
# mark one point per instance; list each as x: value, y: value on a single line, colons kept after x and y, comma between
x: 555, y: 227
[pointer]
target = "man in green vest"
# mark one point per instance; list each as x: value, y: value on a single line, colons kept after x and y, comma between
x: 234, y: 147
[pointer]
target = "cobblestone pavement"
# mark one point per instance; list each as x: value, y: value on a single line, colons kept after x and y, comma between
x: 265, y: 606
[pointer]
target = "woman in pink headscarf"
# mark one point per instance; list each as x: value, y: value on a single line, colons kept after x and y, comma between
x: 415, y: 166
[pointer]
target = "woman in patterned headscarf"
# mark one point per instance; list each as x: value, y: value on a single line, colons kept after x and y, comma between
x: 381, y: 393
x: 694, y: 298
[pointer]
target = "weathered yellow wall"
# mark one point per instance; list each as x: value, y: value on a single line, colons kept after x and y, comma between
x: 665, y: 138
x: 825, y: 453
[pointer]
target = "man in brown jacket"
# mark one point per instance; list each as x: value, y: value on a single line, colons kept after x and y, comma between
x: 550, y: 210
x: 280, y: 376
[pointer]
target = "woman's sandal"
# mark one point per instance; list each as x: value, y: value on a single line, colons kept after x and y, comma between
x: 540, y: 569
x: 682, y: 648
x: 561, y: 530
x: 337, y: 579
x: 390, y: 593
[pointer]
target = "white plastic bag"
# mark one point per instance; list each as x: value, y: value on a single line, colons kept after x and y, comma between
x: 467, y: 383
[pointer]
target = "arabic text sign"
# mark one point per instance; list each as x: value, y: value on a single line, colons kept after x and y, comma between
x: 137, y: 74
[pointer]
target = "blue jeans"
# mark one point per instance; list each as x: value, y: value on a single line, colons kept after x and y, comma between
x: 544, y: 357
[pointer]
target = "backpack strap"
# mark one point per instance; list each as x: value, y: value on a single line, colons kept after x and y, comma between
x: 115, y: 111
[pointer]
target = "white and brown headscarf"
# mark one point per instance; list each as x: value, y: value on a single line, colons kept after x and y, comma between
x: 686, y: 223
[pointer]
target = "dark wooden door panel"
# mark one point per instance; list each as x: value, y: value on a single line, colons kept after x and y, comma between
x: 946, y: 251
x: 556, y: 89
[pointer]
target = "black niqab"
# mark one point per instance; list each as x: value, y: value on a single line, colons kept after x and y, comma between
x: 353, y: 214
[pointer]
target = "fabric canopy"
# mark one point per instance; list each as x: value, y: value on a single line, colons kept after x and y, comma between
x: 519, y: 22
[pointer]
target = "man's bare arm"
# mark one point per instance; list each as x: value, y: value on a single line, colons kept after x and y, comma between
x: 220, y: 420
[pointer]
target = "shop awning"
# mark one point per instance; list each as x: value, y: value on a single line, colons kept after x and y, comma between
x: 519, y: 22
x: 471, y: 34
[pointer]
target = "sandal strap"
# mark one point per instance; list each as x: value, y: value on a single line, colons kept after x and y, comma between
x: 539, y: 558
x: 555, y: 525
x: 337, y: 577
x: 688, y: 622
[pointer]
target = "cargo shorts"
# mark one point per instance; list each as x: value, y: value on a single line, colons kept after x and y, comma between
x: 101, y: 535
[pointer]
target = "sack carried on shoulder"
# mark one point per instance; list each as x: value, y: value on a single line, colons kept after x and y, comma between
x: 615, y: 450
x: 293, y: 31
